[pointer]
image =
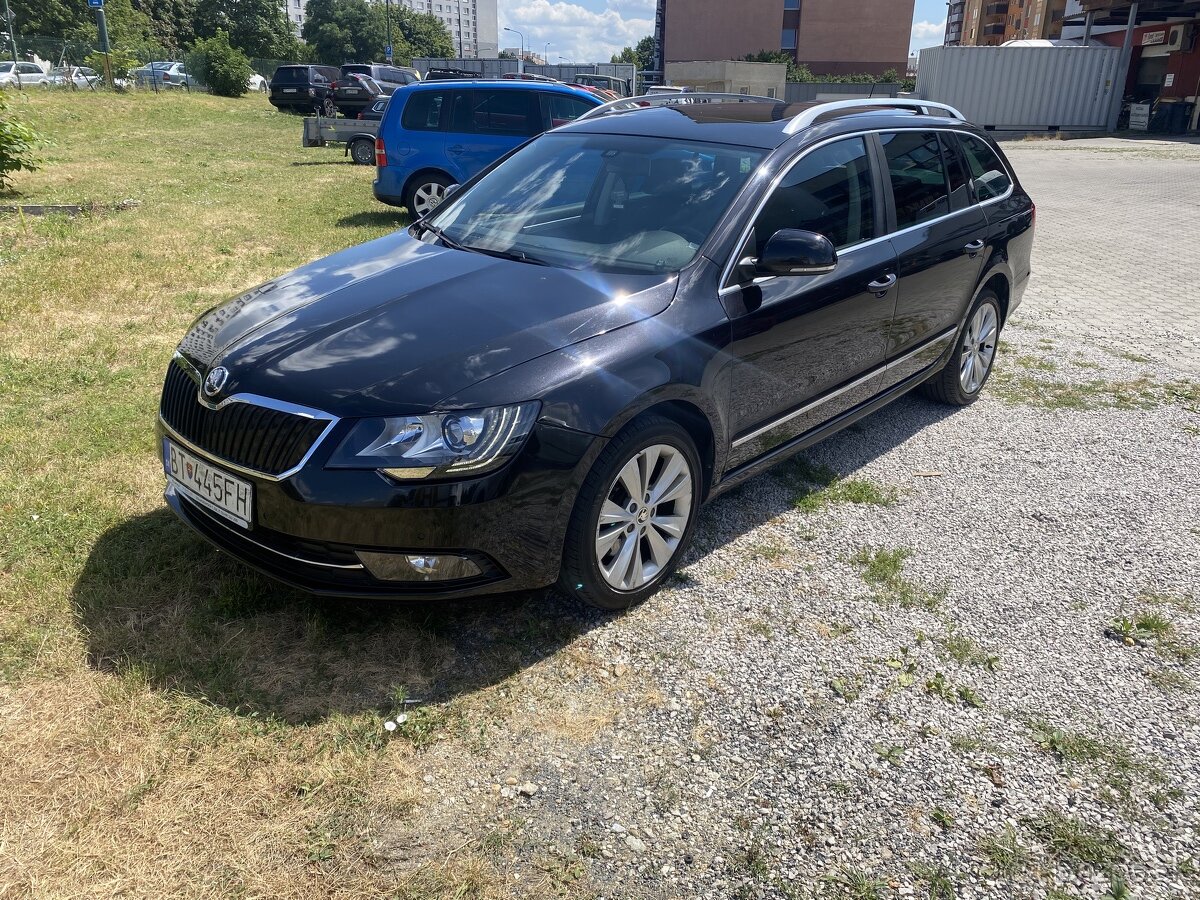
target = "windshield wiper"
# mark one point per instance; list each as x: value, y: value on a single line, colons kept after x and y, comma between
x: 516, y: 255
x: 441, y: 236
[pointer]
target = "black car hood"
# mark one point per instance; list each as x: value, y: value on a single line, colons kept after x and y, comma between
x: 395, y: 325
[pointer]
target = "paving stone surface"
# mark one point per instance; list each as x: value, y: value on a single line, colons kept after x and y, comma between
x: 1117, y: 257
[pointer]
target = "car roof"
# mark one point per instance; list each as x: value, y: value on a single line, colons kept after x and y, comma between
x: 498, y: 84
x: 752, y: 124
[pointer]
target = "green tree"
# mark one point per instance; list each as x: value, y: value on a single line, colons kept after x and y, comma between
x: 641, y: 55
x: 256, y: 27
x: 222, y: 67
x: 342, y: 31
x: 795, y: 71
x: 424, y: 35
x: 49, y: 18
x: 18, y: 142
x: 172, y: 22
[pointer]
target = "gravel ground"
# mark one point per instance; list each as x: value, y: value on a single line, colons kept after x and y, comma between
x: 774, y: 725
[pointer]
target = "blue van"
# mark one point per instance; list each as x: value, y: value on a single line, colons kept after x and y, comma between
x: 441, y: 133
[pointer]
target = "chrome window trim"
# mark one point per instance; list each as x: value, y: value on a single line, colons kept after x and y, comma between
x: 726, y: 287
x: 246, y: 537
x: 862, y: 379
x: 253, y: 400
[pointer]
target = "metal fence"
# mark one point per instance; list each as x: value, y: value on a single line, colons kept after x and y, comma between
x: 1023, y: 88
x: 494, y: 68
x: 806, y: 91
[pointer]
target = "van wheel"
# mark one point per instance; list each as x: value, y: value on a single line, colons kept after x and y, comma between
x: 633, y: 517
x: 961, y: 381
x: 424, y: 193
x: 362, y: 152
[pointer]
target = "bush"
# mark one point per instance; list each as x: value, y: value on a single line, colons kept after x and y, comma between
x: 215, y: 63
x: 17, y: 143
x: 123, y: 62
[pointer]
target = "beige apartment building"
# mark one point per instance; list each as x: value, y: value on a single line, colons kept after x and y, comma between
x: 831, y: 37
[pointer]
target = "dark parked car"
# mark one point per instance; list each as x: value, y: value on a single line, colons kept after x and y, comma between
x: 542, y: 381
x: 450, y: 75
x: 374, y: 114
x: 435, y: 134
x: 354, y: 92
x: 304, y: 89
x: 387, y: 77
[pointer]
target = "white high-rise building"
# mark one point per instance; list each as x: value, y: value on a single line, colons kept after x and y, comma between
x: 295, y: 10
x: 473, y: 24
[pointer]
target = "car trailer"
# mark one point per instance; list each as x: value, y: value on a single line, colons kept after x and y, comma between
x: 357, y: 134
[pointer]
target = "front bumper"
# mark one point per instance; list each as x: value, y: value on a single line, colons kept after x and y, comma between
x: 307, y: 527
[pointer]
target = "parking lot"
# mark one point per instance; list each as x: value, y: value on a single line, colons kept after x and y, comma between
x: 947, y: 654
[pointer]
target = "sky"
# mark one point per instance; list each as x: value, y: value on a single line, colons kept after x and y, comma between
x: 593, y: 30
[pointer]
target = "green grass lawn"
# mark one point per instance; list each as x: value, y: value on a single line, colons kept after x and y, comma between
x: 170, y: 724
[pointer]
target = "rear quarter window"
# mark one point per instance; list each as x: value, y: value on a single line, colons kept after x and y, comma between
x: 423, y: 111
x: 988, y: 175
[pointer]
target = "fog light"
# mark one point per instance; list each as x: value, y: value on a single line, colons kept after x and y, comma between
x: 419, y: 566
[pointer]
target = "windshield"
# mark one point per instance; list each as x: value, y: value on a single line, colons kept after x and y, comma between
x: 616, y: 203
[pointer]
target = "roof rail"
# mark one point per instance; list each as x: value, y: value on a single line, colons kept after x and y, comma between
x: 627, y: 104
x: 810, y: 115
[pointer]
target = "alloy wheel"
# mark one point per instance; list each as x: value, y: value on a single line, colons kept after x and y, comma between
x: 426, y: 197
x: 644, y: 517
x: 978, y: 348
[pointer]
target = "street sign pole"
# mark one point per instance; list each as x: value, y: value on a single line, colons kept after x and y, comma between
x: 102, y: 32
x: 388, y: 15
x: 12, y: 39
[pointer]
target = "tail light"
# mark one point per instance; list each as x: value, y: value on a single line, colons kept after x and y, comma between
x: 166, y: 76
x: 380, y: 153
x: 1032, y: 214
x: 333, y: 86
x: 359, y: 116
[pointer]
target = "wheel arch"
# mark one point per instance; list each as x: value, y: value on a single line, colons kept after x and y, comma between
x: 424, y: 170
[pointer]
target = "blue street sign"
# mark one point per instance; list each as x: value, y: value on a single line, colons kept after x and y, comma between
x: 387, y: 51
x: 96, y: 4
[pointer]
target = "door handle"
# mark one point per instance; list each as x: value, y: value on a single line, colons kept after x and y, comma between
x: 881, y: 286
x: 974, y: 247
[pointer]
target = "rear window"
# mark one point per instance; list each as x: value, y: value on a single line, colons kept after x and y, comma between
x: 291, y: 75
x: 6, y: 67
x: 359, y: 68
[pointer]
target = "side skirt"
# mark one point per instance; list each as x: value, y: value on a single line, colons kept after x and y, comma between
x: 756, y: 466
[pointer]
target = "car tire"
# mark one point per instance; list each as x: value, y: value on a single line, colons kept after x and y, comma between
x: 424, y: 192
x: 970, y: 365
x: 328, y: 108
x: 620, y: 548
x: 362, y: 152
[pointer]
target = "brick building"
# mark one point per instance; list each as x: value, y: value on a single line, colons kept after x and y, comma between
x: 831, y: 37
x: 989, y: 23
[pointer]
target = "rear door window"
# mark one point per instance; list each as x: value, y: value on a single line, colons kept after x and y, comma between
x: 918, y: 176
x: 424, y: 110
x: 988, y: 176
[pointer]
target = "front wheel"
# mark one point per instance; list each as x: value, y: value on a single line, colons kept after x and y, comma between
x: 328, y: 108
x: 634, y: 516
x: 961, y: 381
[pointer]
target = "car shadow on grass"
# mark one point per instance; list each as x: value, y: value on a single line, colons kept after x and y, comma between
x: 157, y: 603
x: 375, y: 219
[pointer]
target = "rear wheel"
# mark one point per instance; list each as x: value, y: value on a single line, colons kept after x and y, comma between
x: 327, y: 108
x: 961, y: 381
x: 425, y: 192
x: 634, y: 516
x: 362, y: 152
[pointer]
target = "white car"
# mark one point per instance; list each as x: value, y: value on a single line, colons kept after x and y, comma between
x: 31, y: 74
x: 79, y: 76
x: 258, y: 83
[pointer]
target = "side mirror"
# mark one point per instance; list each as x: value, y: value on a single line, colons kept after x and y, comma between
x: 790, y: 251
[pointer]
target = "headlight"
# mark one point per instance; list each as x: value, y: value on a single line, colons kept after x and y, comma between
x: 466, y: 442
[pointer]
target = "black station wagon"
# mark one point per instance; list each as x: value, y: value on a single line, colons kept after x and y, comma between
x: 542, y: 380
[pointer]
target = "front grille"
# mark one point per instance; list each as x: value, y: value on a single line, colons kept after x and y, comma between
x: 255, y: 437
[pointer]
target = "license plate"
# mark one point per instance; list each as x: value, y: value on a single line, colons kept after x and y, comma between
x: 289, y: 90
x: 211, y: 487
x: 351, y: 90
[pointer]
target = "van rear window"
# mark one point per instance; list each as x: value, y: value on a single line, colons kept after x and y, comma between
x: 291, y: 75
